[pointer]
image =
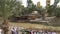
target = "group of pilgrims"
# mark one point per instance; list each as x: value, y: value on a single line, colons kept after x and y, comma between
x: 21, y: 30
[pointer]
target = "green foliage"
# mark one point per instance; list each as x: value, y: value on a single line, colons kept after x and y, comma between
x: 56, y: 1
x: 29, y: 2
x: 31, y: 7
x: 9, y: 7
x: 57, y: 12
x: 6, y: 7
x: 53, y: 10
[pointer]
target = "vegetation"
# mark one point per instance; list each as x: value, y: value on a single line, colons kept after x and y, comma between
x: 14, y: 8
x: 53, y: 10
x: 6, y: 9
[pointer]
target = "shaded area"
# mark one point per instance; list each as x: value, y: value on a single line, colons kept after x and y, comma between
x: 49, y: 21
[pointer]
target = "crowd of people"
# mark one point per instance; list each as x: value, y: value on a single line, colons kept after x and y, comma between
x: 38, y: 32
x: 21, y: 30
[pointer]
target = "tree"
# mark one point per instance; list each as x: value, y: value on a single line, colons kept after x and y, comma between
x: 30, y: 6
x: 6, y: 7
x: 56, y: 2
x: 29, y: 2
x: 52, y: 9
x: 57, y: 11
x: 27, y: 10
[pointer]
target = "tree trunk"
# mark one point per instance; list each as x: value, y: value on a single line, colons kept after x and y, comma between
x: 5, y: 17
x: 4, y: 26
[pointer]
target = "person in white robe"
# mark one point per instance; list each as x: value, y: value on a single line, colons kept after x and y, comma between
x: 53, y: 32
x: 1, y: 31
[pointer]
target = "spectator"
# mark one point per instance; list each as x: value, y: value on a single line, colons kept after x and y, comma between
x: 39, y: 32
x: 1, y: 31
x: 44, y: 32
x: 31, y: 31
x: 14, y: 30
x: 35, y: 32
x: 49, y: 32
x: 53, y: 32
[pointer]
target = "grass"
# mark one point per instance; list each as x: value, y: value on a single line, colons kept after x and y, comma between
x: 37, y: 26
